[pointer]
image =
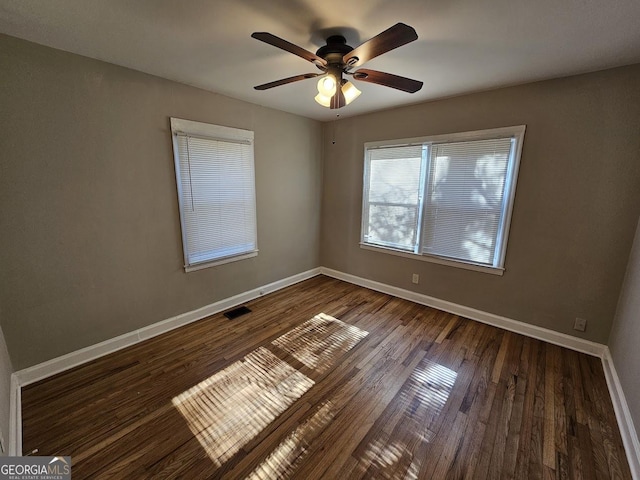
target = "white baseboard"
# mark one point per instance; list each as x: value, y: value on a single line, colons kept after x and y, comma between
x: 551, y: 336
x: 623, y: 415
x: 15, y: 418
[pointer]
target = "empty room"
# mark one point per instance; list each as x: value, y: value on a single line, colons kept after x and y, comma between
x: 287, y: 239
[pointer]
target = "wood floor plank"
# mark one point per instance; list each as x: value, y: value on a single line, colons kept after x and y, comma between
x: 447, y: 330
x: 452, y: 447
x: 493, y: 423
x: 560, y: 409
x: 478, y: 397
x: 536, y: 455
x: 549, y: 443
x: 424, y: 394
x: 502, y: 353
x: 528, y: 413
x: 510, y: 377
x: 586, y: 463
x: 515, y: 427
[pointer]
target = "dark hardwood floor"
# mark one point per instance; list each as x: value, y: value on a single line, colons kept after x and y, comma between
x: 377, y: 387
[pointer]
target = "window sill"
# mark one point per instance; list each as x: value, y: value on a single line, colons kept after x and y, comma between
x: 441, y: 261
x: 219, y: 261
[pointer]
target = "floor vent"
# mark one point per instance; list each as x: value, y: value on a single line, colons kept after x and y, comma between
x: 236, y: 312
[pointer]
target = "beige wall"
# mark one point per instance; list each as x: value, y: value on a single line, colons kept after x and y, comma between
x: 576, y: 206
x: 90, y: 244
x: 625, y: 334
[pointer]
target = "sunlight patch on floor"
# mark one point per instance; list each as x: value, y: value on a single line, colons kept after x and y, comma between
x: 393, y: 461
x: 422, y: 399
x: 284, y: 459
x: 428, y: 388
x: 230, y: 408
x: 318, y: 342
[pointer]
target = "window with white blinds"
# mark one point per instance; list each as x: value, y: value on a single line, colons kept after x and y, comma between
x: 216, y: 192
x: 446, y: 198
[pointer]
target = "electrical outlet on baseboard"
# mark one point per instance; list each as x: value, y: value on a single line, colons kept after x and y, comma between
x: 580, y: 324
x: 415, y: 278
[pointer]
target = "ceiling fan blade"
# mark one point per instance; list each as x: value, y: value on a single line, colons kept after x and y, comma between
x: 388, y: 80
x: 289, y: 47
x: 394, y: 37
x: 284, y: 81
x: 338, y: 100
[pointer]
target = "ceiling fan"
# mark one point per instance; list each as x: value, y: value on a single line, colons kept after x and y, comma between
x: 336, y: 59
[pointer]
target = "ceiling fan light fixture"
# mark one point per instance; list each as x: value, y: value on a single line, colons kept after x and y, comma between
x: 327, y: 86
x: 350, y: 92
x: 323, y: 100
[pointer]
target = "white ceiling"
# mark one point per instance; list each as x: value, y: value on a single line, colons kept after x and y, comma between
x: 463, y: 45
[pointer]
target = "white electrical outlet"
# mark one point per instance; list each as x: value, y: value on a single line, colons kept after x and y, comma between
x: 415, y: 278
x: 580, y: 324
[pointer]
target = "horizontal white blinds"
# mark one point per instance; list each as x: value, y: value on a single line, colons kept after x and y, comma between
x: 393, y: 196
x: 464, y: 205
x: 448, y: 196
x: 217, y: 197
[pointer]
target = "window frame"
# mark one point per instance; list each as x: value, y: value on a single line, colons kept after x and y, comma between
x: 514, y: 132
x: 217, y: 133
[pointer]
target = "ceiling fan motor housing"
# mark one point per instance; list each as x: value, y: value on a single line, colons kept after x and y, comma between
x: 333, y: 52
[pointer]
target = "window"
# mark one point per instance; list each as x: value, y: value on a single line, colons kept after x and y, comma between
x: 446, y: 198
x: 216, y: 192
